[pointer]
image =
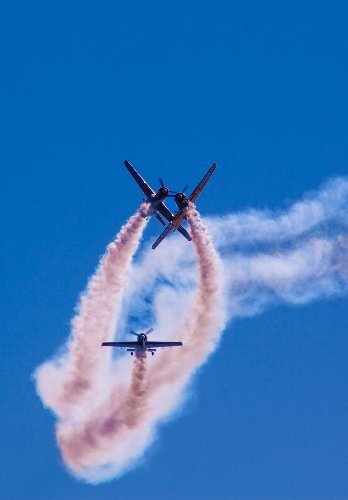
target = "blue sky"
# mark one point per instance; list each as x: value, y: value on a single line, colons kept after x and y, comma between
x: 258, y: 87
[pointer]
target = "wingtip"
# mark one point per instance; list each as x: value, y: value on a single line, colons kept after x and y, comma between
x: 155, y: 245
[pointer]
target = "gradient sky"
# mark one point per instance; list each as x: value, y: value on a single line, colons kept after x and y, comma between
x: 258, y: 87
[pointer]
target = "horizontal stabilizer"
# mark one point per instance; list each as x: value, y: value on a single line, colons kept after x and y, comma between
x: 184, y: 233
x: 158, y: 217
x: 165, y: 233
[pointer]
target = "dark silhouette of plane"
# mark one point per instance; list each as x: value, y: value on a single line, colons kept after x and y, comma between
x: 141, y: 345
x: 157, y: 205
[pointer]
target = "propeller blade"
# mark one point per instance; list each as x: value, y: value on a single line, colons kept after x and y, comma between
x: 149, y: 331
x: 161, y: 182
x: 183, y: 191
x: 133, y: 333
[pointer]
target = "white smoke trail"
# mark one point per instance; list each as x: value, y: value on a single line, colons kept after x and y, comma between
x: 102, y: 445
x: 315, y: 211
x: 294, y: 256
x: 76, y: 379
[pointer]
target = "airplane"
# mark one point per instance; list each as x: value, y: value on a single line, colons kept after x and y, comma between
x: 141, y: 345
x: 155, y: 199
x: 182, y: 202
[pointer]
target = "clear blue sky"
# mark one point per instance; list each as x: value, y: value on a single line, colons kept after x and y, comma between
x: 258, y: 87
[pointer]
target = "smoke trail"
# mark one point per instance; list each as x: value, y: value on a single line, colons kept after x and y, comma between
x: 136, y: 402
x: 88, y: 444
x: 297, y: 255
x: 76, y: 379
x: 315, y: 211
x: 205, y: 319
x: 99, y: 447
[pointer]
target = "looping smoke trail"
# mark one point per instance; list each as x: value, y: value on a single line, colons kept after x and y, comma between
x: 205, y: 319
x: 301, y: 255
x: 73, y: 380
x: 105, y: 444
x: 89, y: 443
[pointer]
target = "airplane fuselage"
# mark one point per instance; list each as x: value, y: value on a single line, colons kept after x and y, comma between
x: 141, y: 349
x: 181, y: 200
x: 155, y: 199
x: 142, y: 338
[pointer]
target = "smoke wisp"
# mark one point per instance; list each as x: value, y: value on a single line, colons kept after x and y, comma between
x: 104, y: 442
x: 108, y: 412
x: 68, y: 383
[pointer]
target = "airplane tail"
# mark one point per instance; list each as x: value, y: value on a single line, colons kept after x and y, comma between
x: 159, y: 218
x: 184, y: 233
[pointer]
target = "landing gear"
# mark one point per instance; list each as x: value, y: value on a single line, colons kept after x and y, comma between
x: 152, y: 353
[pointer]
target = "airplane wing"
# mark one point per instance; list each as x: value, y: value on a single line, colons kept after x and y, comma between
x: 175, y: 224
x: 158, y: 217
x: 164, y: 210
x: 163, y: 235
x: 201, y: 185
x: 184, y: 233
x: 163, y: 344
x: 120, y: 344
x: 139, y: 180
x: 178, y: 219
x: 171, y: 217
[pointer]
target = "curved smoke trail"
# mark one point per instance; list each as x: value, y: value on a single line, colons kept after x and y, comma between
x: 294, y: 255
x: 75, y: 380
x: 297, y: 255
x: 123, y: 426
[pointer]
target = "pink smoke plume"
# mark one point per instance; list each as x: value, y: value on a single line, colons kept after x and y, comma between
x: 108, y: 414
x: 102, y: 443
x: 75, y: 380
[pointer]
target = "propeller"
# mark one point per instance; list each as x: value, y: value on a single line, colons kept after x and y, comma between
x: 172, y: 194
x: 137, y: 334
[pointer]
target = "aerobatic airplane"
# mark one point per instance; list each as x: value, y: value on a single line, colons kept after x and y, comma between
x: 156, y: 201
x: 182, y: 202
x: 141, y: 345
